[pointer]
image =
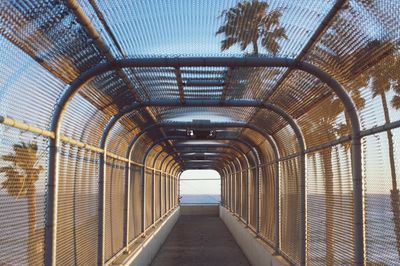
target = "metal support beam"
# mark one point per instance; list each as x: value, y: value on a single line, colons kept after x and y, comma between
x: 87, y: 76
x: 179, y: 82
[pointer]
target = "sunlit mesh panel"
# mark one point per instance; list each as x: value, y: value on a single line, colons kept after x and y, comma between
x: 27, y: 91
x: 46, y: 45
x: 114, y: 207
x: 268, y: 120
x: 299, y: 92
x: 238, y: 178
x: 330, y: 207
x: 135, y: 198
x: 50, y: 33
x: 252, y: 197
x: 168, y: 192
x: 78, y: 216
x: 148, y: 196
x: 381, y: 167
x: 23, y: 177
x: 290, y: 208
x: 267, y: 203
x: 286, y: 141
x: 157, y: 197
x: 323, y: 123
x: 83, y: 121
x: 253, y: 83
x: 245, y: 194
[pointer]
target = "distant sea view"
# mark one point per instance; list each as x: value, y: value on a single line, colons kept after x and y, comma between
x: 200, y: 199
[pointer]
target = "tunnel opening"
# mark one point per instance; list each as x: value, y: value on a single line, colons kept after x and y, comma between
x: 200, y: 187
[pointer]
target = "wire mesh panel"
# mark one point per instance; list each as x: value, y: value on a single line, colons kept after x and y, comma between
x: 148, y: 196
x: 252, y: 197
x: 78, y: 216
x: 330, y: 207
x: 135, y: 199
x: 381, y: 167
x: 163, y: 191
x: 267, y: 202
x: 290, y: 209
x: 23, y: 177
x: 157, y: 194
x: 167, y: 192
x: 245, y: 197
x: 114, y: 207
x: 238, y: 189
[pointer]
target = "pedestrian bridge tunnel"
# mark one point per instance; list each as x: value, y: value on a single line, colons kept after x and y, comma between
x: 103, y: 104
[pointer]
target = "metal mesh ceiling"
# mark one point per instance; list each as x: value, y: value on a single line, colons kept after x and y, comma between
x: 46, y: 46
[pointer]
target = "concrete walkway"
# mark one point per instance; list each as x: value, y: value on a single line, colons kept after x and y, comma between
x: 200, y: 240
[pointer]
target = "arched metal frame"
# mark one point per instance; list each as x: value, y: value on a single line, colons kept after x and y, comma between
x: 204, y: 148
x: 272, y: 143
x: 250, y: 146
x: 62, y: 105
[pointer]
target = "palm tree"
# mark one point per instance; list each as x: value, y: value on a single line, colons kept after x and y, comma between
x: 22, y: 174
x: 249, y: 21
x: 323, y: 118
x: 382, y: 78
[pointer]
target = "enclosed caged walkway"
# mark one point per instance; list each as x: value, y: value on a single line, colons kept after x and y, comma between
x: 103, y: 104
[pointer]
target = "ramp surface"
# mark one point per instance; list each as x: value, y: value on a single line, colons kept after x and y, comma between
x: 200, y: 240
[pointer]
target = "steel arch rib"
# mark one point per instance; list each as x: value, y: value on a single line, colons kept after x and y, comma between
x: 66, y: 98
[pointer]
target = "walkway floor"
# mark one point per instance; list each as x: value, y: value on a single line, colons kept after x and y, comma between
x: 201, y: 241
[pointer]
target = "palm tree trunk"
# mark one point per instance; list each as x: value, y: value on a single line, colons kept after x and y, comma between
x: 327, y: 164
x: 255, y: 47
x: 31, y: 249
x: 394, y: 192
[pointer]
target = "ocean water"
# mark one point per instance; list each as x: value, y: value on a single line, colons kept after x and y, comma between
x: 200, y: 199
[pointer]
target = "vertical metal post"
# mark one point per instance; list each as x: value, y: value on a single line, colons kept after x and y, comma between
x: 239, y: 191
x: 359, y: 215
x: 233, y: 187
x: 101, y: 208
x: 165, y: 183
x: 153, y: 199
x: 52, y: 199
x: 258, y: 198
x: 248, y: 196
x: 159, y: 184
x: 229, y: 187
x: 143, y: 206
x: 277, y: 199
x: 127, y: 203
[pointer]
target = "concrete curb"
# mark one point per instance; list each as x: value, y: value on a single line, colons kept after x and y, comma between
x: 256, y: 251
